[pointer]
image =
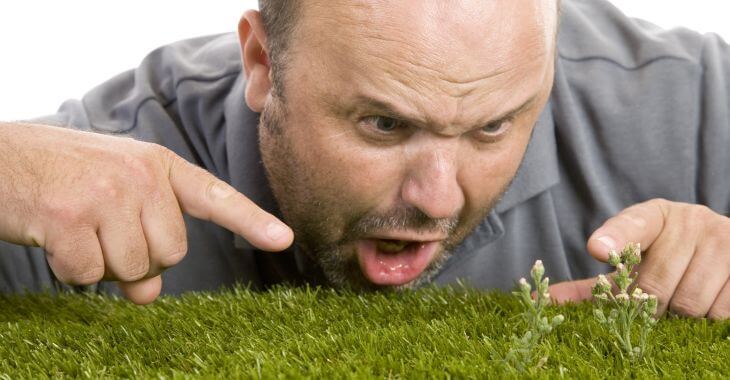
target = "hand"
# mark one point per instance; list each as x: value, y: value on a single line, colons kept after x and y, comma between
x: 686, y: 256
x: 111, y: 208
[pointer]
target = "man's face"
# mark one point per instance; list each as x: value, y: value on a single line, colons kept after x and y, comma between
x: 401, y: 124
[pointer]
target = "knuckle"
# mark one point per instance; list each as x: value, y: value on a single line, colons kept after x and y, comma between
x: 64, y: 214
x: 176, y: 248
x: 140, y: 168
x: 155, y: 151
x: 174, y: 257
x: 694, y: 213
x: 687, y: 305
x: 90, y: 276
x: 658, y: 202
x: 134, y: 270
x: 660, y: 205
x: 80, y: 275
x: 218, y: 190
x: 104, y: 188
x: 74, y: 260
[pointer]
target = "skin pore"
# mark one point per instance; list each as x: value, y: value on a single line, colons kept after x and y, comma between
x: 399, y: 120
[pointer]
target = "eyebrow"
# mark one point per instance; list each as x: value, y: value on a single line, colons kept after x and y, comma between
x: 389, y: 110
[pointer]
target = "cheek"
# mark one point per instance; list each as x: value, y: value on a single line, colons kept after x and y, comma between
x: 484, y: 176
x: 345, y: 172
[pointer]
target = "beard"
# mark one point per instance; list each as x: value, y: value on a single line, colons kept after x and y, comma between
x: 327, y: 224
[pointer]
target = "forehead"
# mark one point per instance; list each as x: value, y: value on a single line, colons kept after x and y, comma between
x: 436, y: 53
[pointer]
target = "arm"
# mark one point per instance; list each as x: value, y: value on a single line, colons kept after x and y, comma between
x: 686, y: 245
x: 107, y: 206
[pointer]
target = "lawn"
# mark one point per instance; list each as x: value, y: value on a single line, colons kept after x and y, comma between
x: 315, y: 333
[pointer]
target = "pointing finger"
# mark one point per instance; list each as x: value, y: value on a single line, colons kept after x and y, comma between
x: 641, y: 223
x: 204, y: 196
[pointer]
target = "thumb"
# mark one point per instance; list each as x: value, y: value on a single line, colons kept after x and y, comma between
x: 572, y: 291
x: 204, y: 196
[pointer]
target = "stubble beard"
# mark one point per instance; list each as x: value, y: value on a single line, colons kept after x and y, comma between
x: 310, y: 219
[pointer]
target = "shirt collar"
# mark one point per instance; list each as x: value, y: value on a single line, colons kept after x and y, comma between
x: 539, y: 168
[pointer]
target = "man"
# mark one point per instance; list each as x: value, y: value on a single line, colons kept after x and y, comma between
x: 402, y: 142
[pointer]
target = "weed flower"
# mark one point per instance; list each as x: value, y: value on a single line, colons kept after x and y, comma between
x: 521, y: 354
x: 524, y: 286
x: 637, y: 293
x: 613, y: 257
x: 538, y: 270
x: 635, y: 256
x: 625, y: 311
x: 602, y: 285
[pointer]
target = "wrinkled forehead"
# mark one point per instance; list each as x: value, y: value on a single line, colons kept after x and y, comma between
x: 434, y: 57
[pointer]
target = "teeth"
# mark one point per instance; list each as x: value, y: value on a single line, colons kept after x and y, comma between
x: 392, y: 246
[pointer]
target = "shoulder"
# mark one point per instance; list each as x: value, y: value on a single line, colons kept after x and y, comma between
x: 630, y: 108
x: 597, y: 30
x: 183, y: 81
x: 203, y: 59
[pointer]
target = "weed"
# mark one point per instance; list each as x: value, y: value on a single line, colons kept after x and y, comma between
x: 521, y: 355
x: 629, y: 306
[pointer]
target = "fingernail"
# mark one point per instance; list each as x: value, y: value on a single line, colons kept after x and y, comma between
x: 275, y: 231
x: 607, y: 241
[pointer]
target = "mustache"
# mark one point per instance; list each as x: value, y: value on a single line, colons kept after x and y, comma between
x: 401, y: 218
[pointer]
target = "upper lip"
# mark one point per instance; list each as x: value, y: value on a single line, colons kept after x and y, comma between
x: 404, y: 236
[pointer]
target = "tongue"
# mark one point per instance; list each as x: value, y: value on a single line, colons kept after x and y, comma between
x: 386, y: 268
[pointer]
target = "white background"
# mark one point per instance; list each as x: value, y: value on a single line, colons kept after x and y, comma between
x: 52, y: 50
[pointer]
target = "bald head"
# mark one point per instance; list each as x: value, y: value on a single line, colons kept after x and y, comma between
x: 450, y: 26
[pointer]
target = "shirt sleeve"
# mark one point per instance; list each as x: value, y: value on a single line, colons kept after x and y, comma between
x: 174, y: 98
x: 713, y: 187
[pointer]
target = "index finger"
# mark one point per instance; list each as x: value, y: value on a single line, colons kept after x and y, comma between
x: 641, y: 223
x: 204, y: 196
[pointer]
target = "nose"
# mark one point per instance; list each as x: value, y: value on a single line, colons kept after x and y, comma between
x: 432, y: 184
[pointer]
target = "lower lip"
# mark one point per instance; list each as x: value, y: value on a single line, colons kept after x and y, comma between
x: 383, y: 268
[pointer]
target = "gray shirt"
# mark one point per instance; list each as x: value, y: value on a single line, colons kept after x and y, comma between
x: 636, y: 113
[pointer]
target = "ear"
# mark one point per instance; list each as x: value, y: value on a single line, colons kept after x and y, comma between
x: 255, y: 58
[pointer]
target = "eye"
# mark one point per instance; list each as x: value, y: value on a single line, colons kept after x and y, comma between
x: 383, y: 123
x: 495, y: 127
x: 494, y: 130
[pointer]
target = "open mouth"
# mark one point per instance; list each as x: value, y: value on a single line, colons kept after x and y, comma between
x: 394, y: 262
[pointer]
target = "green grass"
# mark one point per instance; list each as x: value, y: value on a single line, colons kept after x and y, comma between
x: 435, y: 333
